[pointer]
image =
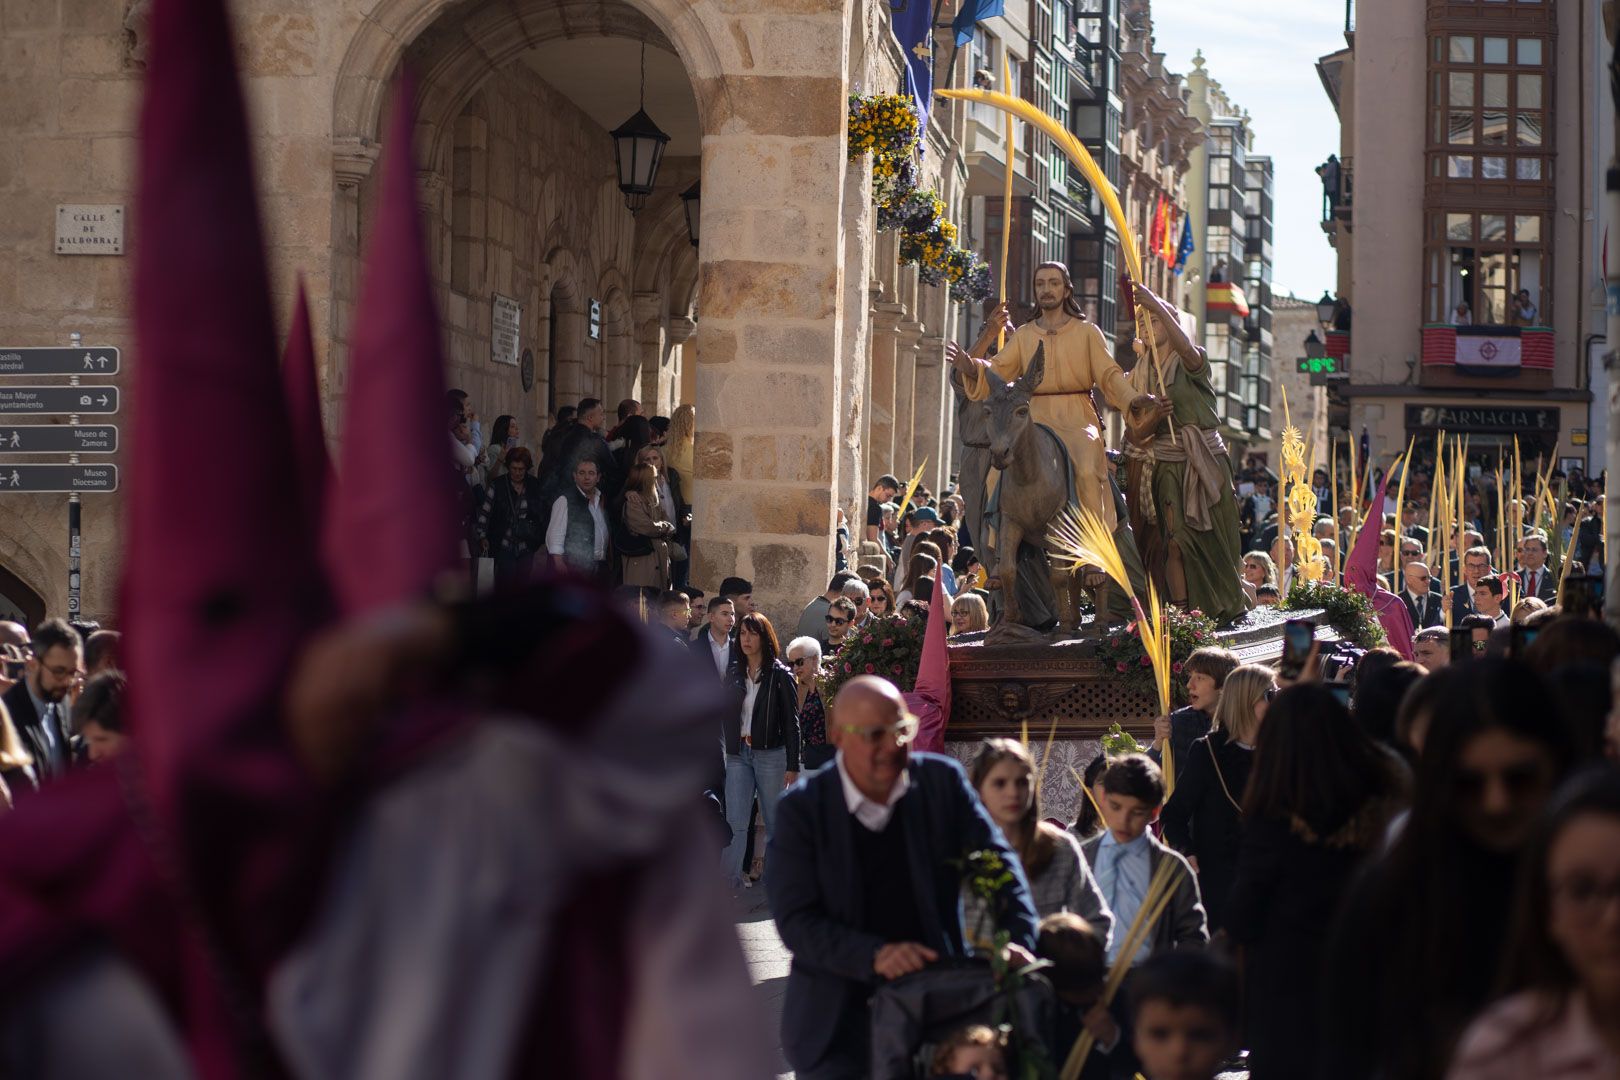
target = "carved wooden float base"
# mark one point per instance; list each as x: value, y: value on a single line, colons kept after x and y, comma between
x: 996, y: 689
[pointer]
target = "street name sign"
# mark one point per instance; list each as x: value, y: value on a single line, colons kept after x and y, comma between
x: 96, y: 360
x: 35, y: 400
x: 39, y: 479
x: 58, y: 439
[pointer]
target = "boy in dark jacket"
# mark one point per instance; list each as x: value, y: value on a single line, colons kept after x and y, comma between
x: 1206, y: 671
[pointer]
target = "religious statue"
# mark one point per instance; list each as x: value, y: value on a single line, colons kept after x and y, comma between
x: 1052, y: 400
x: 1180, y: 472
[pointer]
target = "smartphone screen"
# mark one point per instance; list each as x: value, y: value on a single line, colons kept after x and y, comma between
x: 1297, y: 637
x: 1341, y: 691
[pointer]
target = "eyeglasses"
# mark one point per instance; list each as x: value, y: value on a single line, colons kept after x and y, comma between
x: 901, y: 731
x: 833, y: 620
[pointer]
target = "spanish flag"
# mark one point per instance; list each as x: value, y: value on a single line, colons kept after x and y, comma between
x: 1226, y: 298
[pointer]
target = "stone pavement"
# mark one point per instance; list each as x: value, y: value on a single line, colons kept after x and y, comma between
x: 767, y: 959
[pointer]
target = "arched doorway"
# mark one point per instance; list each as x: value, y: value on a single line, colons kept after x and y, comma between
x: 18, y: 602
x: 752, y: 111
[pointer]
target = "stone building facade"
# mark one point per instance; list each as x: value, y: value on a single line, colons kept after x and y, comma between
x: 813, y: 360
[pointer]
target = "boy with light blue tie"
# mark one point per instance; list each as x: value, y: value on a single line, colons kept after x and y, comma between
x: 1126, y: 855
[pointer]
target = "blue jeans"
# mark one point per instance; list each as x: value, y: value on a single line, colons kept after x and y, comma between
x: 749, y: 771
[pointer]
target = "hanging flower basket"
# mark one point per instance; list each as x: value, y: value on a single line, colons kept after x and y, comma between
x: 884, y: 125
x: 969, y: 276
x: 913, y: 212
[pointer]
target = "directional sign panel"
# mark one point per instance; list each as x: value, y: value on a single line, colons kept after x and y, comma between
x: 58, y: 439
x: 85, y: 360
x: 35, y: 400
x: 57, y: 478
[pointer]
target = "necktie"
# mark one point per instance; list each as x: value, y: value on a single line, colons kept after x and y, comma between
x: 1534, y: 582
x: 1124, y: 892
x: 52, y: 731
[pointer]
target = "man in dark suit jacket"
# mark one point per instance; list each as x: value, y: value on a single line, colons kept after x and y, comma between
x: 1476, y: 563
x: 1422, y: 600
x: 862, y: 881
x: 717, y: 643
x: 38, y: 704
x: 1536, y: 579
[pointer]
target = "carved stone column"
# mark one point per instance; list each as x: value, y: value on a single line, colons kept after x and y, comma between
x: 680, y: 362
x: 909, y: 338
x: 885, y: 340
x: 928, y: 424
x: 647, y: 321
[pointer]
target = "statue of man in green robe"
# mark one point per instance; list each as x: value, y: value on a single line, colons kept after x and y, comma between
x: 1180, y: 473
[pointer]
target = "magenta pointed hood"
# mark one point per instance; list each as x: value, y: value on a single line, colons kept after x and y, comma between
x: 391, y: 528
x: 298, y: 378
x: 220, y: 586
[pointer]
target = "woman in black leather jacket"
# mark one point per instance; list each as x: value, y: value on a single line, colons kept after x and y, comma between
x: 761, y: 737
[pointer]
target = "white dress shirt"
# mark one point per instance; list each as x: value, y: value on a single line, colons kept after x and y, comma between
x: 873, y: 815
x: 750, y: 694
x: 557, y: 531
x: 720, y: 650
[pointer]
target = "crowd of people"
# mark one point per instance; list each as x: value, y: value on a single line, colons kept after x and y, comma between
x: 609, y: 503
x: 1379, y: 870
x: 61, y: 702
x: 1414, y: 560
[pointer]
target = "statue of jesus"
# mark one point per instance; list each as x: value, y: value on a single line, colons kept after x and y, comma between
x: 1077, y: 361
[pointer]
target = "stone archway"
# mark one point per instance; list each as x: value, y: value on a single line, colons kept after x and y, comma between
x: 18, y: 601
x: 770, y: 112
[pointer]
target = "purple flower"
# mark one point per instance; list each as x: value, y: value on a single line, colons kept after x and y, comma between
x: 848, y: 670
x: 888, y: 641
x: 867, y: 640
x: 1120, y: 667
x: 1176, y: 667
x: 1145, y: 661
x: 895, y: 669
x: 870, y: 669
x: 1114, y: 641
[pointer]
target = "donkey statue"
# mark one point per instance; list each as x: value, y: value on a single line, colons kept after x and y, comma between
x: 1036, y: 484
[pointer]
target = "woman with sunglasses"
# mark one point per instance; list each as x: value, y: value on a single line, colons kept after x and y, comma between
x: 1203, y: 818
x: 1423, y: 933
x: 761, y: 738
x: 804, y: 657
x: 1564, y: 962
x: 881, y: 600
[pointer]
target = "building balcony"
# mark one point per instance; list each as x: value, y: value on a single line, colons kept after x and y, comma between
x: 985, y: 146
x: 1516, y: 358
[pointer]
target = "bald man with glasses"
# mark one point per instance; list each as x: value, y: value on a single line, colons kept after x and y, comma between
x: 1422, y: 602
x: 865, y: 880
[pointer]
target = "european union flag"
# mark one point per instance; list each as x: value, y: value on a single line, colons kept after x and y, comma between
x: 1186, y: 249
x: 913, y: 22
x: 971, y: 12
